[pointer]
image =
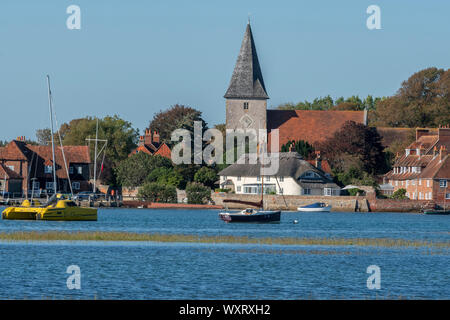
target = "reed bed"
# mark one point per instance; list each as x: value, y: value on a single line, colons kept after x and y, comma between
x: 158, y: 237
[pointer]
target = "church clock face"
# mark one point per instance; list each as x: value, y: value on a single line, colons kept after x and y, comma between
x: 246, y: 121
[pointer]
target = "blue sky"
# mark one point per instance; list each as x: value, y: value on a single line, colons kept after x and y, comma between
x: 134, y: 58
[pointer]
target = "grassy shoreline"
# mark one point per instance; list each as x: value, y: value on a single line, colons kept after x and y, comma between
x: 158, y: 237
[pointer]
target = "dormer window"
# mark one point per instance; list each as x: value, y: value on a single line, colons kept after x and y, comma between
x: 245, y: 105
x: 48, y: 169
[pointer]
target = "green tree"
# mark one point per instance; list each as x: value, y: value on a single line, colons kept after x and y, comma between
x: 166, y: 176
x: 302, y: 147
x: 197, y: 193
x: 44, y: 136
x: 176, y: 117
x: 133, y: 171
x: 206, y: 176
x: 157, y: 192
x: 400, y: 194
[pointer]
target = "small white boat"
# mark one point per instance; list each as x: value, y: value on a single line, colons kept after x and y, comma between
x: 315, y: 207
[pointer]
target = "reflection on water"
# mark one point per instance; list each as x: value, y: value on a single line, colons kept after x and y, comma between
x: 141, y: 270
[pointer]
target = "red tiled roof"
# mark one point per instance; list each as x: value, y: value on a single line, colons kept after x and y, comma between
x: 309, y: 125
x: 8, y: 173
x: 14, y: 151
x: 437, y: 168
x: 162, y: 150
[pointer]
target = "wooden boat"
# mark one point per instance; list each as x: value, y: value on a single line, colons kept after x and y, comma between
x: 315, y: 207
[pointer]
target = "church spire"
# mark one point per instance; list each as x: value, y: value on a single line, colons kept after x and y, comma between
x: 247, y: 81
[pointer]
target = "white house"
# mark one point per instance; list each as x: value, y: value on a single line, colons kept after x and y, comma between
x: 295, y: 176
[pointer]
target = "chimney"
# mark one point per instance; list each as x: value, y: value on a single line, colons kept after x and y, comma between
x: 421, y: 132
x: 155, y: 136
x: 141, y: 141
x: 148, y: 137
x: 318, y: 160
x: 435, y: 152
x: 444, y: 131
x: 442, y: 153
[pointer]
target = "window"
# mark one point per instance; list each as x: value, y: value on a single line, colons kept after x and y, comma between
x: 80, y: 170
x: 238, y: 189
x: 282, y: 179
x: 49, y: 185
x: 306, y: 191
x: 443, y: 183
x: 267, y: 178
x: 35, y: 185
x: 245, y: 105
x: 224, y: 178
x: 258, y: 178
x: 70, y: 170
x: 430, y: 196
x: 282, y: 191
x: 428, y: 182
x: 420, y: 182
x: 239, y: 178
x: 396, y: 183
x: 447, y: 196
x: 327, y: 192
x: 420, y: 195
x: 75, y: 185
x: 413, y: 182
x: 48, y: 169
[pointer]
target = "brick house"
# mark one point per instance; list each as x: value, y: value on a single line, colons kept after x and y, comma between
x: 33, y: 166
x: 424, y: 169
x: 150, y: 143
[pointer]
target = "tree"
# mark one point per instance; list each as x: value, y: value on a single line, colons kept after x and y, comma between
x: 134, y: 171
x: 206, y: 176
x: 121, y: 136
x: 177, y: 117
x: 157, y: 192
x: 43, y: 136
x: 166, y: 176
x: 400, y: 194
x: 422, y: 100
x: 302, y: 147
x: 197, y: 193
x: 357, y: 144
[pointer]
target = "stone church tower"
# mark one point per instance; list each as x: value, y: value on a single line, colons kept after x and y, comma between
x: 246, y: 97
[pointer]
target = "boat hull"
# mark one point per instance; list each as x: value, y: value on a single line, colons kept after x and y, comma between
x: 437, y: 212
x: 50, y: 213
x: 323, y: 209
x: 260, y: 217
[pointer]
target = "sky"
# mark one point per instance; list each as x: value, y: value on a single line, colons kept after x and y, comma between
x: 135, y: 58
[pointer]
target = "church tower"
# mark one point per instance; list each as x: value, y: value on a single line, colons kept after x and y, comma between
x: 246, y: 97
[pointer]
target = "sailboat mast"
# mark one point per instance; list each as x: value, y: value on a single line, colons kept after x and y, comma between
x: 51, y: 128
x: 95, y: 155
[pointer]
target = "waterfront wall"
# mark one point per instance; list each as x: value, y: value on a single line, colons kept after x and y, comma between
x: 291, y: 203
x: 341, y: 203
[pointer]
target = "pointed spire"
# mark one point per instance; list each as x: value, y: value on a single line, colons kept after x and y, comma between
x: 247, y: 81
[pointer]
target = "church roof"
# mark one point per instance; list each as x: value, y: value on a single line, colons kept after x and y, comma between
x: 247, y: 80
x: 312, y: 126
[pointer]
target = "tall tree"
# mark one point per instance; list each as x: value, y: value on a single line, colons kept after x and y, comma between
x: 176, y: 117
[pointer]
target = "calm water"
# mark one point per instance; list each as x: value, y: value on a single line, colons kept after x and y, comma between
x: 118, y: 270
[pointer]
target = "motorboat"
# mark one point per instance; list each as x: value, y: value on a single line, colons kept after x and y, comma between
x: 315, y: 207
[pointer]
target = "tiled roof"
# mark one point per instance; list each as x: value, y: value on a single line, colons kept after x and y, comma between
x: 247, y: 80
x: 151, y: 149
x: 8, y: 173
x: 18, y: 150
x: 312, y: 126
x: 437, y: 169
x: 391, y: 135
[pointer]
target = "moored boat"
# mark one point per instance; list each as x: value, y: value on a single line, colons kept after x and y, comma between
x: 315, y: 207
x: 437, y: 211
x: 251, y: 215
